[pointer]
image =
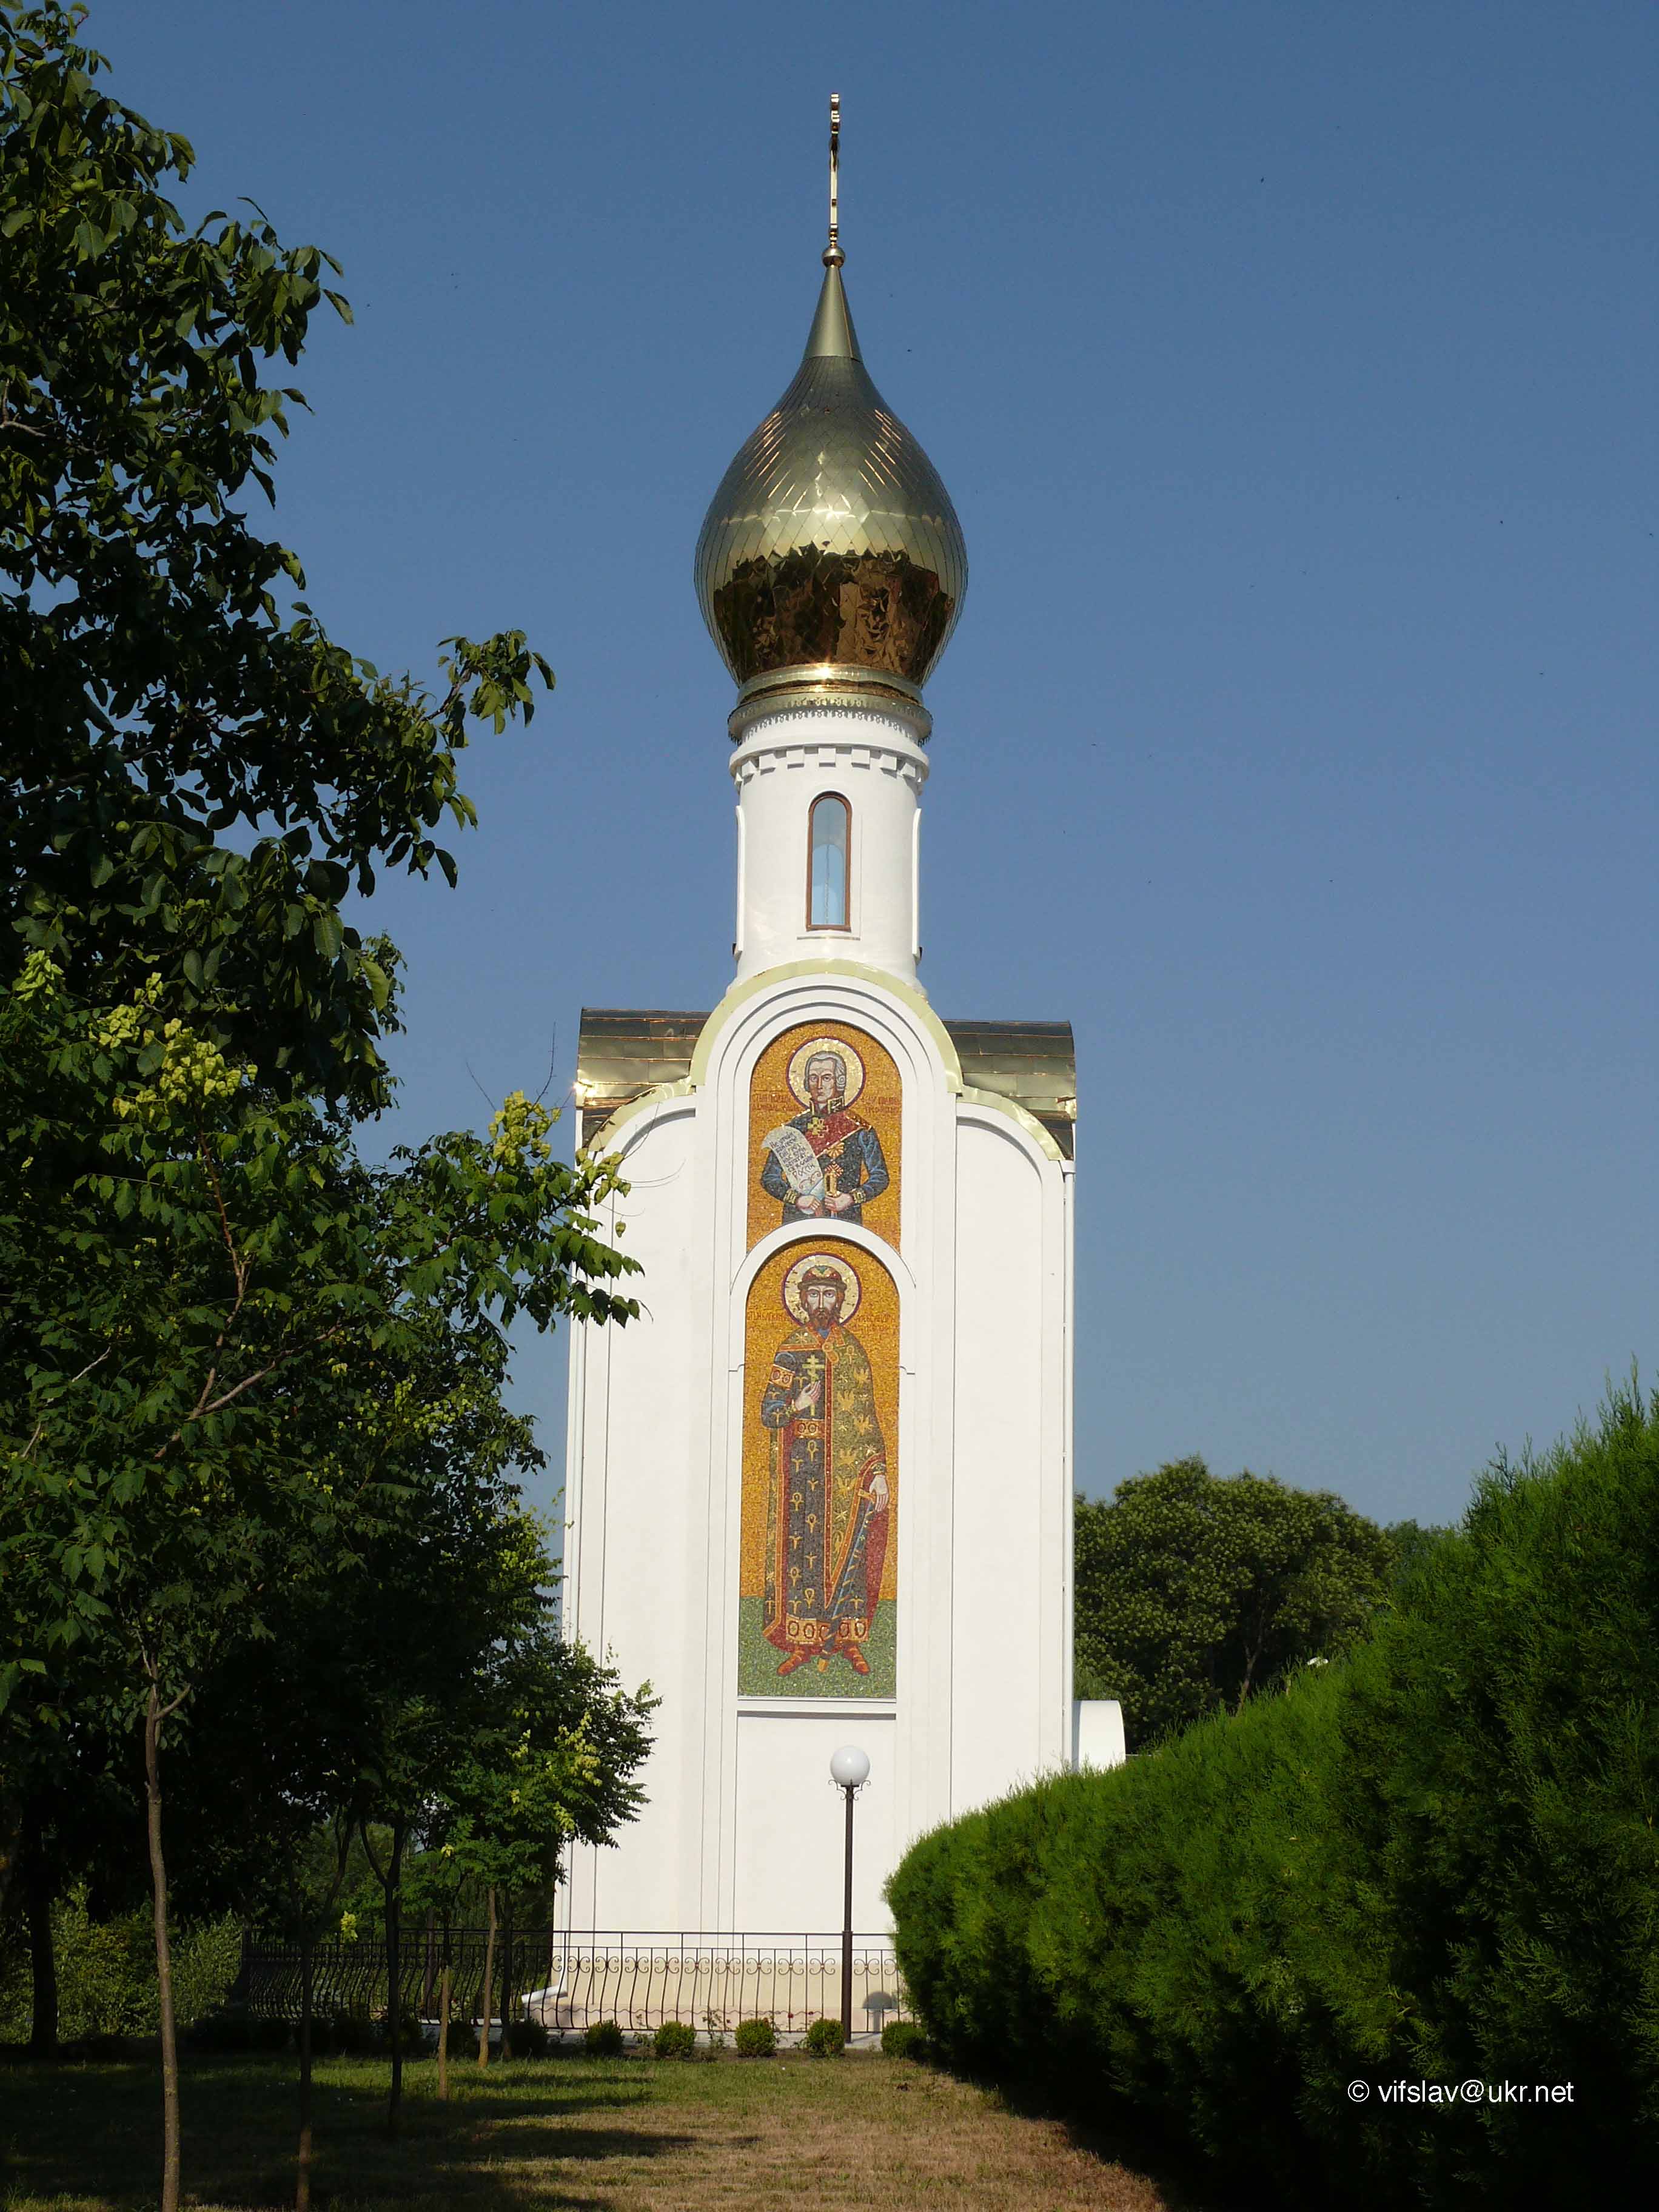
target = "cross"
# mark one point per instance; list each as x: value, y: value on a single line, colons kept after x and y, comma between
x: 832, y: 253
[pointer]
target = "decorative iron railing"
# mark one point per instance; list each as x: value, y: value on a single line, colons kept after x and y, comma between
x: 568, y: 1978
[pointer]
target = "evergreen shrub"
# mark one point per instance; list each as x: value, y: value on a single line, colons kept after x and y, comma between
x: 235, y: 2030
x: 1434, y: 1860
x: 675, y: 2038
x: 903, y: 2039
x: 411, y: 2036
x: 345, y: 2034
x: 755, y: 2039
x: 825, y: 2039
x: 603, y: 2039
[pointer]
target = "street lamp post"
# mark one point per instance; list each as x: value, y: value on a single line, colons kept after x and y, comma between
x: 849, y: 1770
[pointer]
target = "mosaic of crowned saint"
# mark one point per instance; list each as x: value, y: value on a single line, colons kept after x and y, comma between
x: 827, y: 1515
x: 827, y: 1163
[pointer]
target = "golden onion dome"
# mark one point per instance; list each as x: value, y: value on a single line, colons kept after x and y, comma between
x: 831, y: 544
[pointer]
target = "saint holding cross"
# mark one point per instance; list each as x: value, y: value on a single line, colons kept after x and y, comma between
x: 828, y: 1501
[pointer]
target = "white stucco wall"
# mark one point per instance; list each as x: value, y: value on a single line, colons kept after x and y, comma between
x: 784, y: 762
x: 999, y: 1567
x: 629, y: 1537
x: 791, y: 1835
x: 742, y: 1830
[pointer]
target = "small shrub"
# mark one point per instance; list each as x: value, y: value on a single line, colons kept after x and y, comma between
x: 825, y: 2039
x: 220, y: 2032
x: 103, y: 2050
x: 530, y: 2038
x: 903, y: 2039
x: 675, y: 2038
x: 345, y: 2035
x: 237, y: 2030
x: 603, y: 2039
x: 410, y: 2034
x: 756, y: 2038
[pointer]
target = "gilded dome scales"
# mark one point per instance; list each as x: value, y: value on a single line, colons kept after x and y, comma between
x: 831, y: 544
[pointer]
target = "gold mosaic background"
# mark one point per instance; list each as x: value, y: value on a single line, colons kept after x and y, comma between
x: 876, y: 1325
x: 771, y: 1102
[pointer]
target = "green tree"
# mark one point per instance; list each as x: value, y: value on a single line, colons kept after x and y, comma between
x: 1415, y: 1544
x: 1194, y: 1592
x: 221, y: 1287
x: 201, y: 1283
x: 548, y: 1758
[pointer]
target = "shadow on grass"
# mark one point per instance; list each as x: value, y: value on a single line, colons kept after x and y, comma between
x: 1118, y: 2136
x: 91, y: 2134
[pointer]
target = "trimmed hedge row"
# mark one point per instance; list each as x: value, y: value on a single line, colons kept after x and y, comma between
x: 1433, y: 1863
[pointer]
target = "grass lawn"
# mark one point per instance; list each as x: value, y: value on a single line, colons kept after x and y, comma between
x: 573, y: 2132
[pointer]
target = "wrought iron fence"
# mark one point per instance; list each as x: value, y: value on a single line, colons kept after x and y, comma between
x: 568, y: 1978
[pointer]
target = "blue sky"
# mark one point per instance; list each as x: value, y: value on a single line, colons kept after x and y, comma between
x: 1293, y: 370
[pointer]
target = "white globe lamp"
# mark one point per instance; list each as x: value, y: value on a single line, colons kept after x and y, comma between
x: 849, y: 1767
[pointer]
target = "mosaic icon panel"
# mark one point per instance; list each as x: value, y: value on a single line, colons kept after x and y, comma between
x: 824, y: 1133
x: 818, y: 1571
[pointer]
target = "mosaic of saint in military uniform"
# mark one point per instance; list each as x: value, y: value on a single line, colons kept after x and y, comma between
x: 826, y: 1162
x: 827, y: 1515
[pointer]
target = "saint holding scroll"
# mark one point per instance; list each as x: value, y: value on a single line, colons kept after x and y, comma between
x: 827, y: 1163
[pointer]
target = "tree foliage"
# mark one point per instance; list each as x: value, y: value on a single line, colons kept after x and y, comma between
x: 209, y: 1296
x: 1193, y: 1591
x: 193, y: 774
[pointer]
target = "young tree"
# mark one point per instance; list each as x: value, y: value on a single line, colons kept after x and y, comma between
x: 548, y: 1758
x: 1195, y: 1592
x: 224, y: 1290
x: 491, y: 1741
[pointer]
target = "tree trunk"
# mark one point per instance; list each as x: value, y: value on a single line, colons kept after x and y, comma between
x: 443, y: 2029
x: 302, y: 2185
x: 11, y: 1832
x: 394, y: 1964
x: 430, y: 1968
x: 43, y: 1963
x: 489, y: 1977
x: 154, y: 1716
x: 308, y: 1924
x: 507, y: 1979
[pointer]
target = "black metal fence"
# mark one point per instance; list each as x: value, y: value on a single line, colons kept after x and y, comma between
x: 566, y: 1979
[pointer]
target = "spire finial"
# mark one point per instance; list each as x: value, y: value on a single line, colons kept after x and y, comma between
x: 833, y: 256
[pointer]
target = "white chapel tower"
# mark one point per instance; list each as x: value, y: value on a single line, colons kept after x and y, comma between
x: 821, y: 1491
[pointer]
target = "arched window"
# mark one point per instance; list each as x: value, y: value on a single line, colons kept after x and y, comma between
x: 830, y: 839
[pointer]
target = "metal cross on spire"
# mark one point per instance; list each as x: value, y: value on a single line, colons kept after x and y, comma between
x: 833, y: 256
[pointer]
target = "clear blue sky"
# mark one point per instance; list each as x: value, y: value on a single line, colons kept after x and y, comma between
x: 1292, y: 369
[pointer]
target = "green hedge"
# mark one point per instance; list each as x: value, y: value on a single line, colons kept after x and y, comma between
x: 1436, y: 1862
x: 106, y: 1972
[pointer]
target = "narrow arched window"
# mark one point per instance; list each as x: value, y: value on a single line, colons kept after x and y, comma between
x: 830, y: 838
